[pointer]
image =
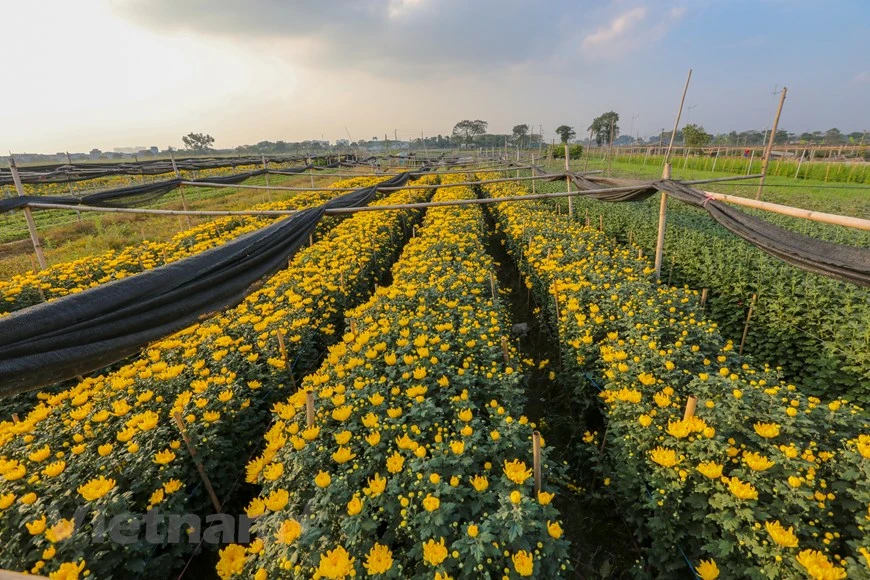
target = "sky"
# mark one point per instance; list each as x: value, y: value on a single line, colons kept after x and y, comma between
x: 114, y: 73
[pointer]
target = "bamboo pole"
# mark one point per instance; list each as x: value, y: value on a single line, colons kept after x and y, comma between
x: 746, y: 326
x: 180, y: 189
x: 766, y: 159
x: 666, y: 174
x: 309, y: 409
x: 28, y: 215
x: 536, y: 461
x: 568, y: 184
x: 704, y: 292
x: 691, y: 403
x: 202, y: 474
x: 266, y: 176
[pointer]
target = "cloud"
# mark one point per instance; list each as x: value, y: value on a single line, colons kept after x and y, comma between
x: 634, y: 26
x: 386, y: 37
x: 616, y: 30
x: 862, y: 77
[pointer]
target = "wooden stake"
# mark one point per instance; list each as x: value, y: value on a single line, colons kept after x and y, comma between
x: 15, y: 417
x: 766, y: 159
x: 568, y: 184
x: 600, y: 222
x: 266, y: 176
x: 504, y: 350
x: 309, y: 409
x: 199, y: 467
x: 703, y: 297
x: 536, y: 460
x: 492, y: 286
x: 28, y: 215
x: 691, y: 403
x: 663, y: 212
x: 746, y: 326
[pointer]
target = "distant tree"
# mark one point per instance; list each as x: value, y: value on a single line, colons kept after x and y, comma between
x: 782, y: 136
x: 519, y: 133
x: 467, y: 130
x: 565, y: 132
x: 198, y: 142
x: 696, y: 136
x: 600, y: 127
x: 833, y: 136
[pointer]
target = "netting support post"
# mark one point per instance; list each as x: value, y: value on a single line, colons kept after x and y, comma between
x: 568, y: 184
x: 28, y: 215
x: 769, y: 147
x: 536, y: 461
x: 663, y: 214
x: 266, y: 176
x: 180, y: 188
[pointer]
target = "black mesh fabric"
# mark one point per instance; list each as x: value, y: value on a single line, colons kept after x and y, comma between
x: 83, y: 332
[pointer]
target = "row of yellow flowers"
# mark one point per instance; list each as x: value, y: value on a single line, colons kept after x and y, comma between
x: 761, y: 482
x: 58, y: 280
x: 110, y: 445
x: 417, y: 463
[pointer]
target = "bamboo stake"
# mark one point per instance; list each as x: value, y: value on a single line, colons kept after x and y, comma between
x: 691, y: 403
x: 703, y: 297
x: 266, y: 176
x: 492, y: 286
x: 536, y: 460
x: 746, y: 326
x: 287, y: 364
x: 190, y: 448
x: 504, y: 350
x: 766, y: 159
x: 568, y: 184
x: 28, y: 215
x: 309, y: 409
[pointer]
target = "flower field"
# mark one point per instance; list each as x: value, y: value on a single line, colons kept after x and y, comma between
x: 110, y: 444
x: 417, y: 461
x: 71, y: 277
x: 761, y: 481
x: 814, y: 327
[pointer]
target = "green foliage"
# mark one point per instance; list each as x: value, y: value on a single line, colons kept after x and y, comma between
x: 605, y: 127
x: 696, y: 136
x: 198, y: 142
x: 468, y: 130
x: 574, y: 151
x: 565, y: 132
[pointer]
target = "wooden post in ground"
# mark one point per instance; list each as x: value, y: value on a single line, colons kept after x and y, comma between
x: 715, y: 159
x: 704, y: 292
x: 691, y: 403
x: 533, y: 174
x: 751, y: 158
x: 266, y: 176
x: 312, y: 171
x: 568, y: 184
x: 800, y: 162
x: 309, y: 409
x: 610, y: 152
x: 28, y: 215
x: 536, y: 461
x: 766, y: 159
x: 69, y: 184
x: 746, y: 326
x: 192, y: 450
x: 588, y: 150
x: 666, y: 174
x: 180, y: 187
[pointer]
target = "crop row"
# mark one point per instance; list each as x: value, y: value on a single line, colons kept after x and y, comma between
x: 814, y: 327
x: 417, y: 461
x: 821, y: 171
x: 111, y: 444
x: 70, y: 277
x: 761, y: 481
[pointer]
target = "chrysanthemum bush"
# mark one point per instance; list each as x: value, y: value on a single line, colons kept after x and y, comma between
x: 762, y: 482
x: 58, y: 280
x: 111, y: 444
x: 418, y: 463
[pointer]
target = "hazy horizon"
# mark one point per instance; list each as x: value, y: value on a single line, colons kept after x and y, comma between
x: 114, y: 73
